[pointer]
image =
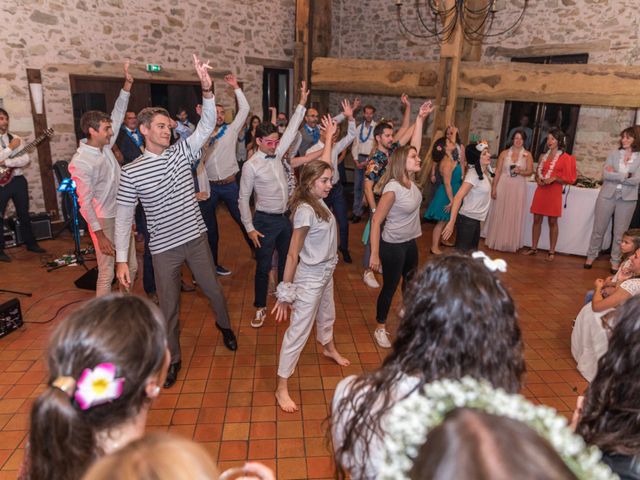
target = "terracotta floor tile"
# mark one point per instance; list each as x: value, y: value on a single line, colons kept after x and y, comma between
x: 238, y: 414
x: 187, y: 416
x: 262, y: 449
x: 316, y: 447
x: 208, y: 432
x: 290, y: 447
x: 290, y: 429
x: 263, y: 430
x: 233, y: 450
x: 235, y: 431
x: 292, y: 468
x: 320, y: 467
x: 212, y: 415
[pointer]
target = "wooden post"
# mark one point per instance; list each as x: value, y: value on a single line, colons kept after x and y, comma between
x: 471, y: 51
x: 320, y: 39
x: 450, y: 54
x: 44, y: 151
x: 301, y: 56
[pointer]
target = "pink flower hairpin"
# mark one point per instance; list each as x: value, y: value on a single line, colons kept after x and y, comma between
x: 98, y: 386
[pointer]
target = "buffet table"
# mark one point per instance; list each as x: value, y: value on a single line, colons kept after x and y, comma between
x: 575, y: 224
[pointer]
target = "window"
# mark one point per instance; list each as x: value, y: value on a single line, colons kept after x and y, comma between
x: 537, y: 119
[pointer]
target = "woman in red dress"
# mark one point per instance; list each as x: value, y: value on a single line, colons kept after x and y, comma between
x: 555, y: 168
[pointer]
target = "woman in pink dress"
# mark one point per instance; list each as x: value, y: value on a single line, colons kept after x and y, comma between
x: 555, y: 168
x: 509, y: 194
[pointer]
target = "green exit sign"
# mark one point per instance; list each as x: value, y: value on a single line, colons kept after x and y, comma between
x: 152, y: 67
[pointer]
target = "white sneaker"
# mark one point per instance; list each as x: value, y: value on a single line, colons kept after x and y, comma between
x: 259, y: 319
x: 369, y: 279
x: 382, y: 337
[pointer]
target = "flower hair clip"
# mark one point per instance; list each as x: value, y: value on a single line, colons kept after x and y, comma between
x: 494, y: 265
x: 94, y: 387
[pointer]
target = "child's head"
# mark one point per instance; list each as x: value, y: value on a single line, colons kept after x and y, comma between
x: 106, y: 363
x: 158, y: 456
x: 314, y: 185
x: 630, y: 241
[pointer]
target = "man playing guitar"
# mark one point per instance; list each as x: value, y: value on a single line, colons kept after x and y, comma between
x: 16, y: 188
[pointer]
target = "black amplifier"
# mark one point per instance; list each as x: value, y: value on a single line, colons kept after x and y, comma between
x: 10, y: 317
x: 40, y: 226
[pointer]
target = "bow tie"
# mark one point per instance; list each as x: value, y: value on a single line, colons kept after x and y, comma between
x: 269, y: 156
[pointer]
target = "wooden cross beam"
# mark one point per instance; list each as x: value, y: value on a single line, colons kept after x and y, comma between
x: 597, y: 85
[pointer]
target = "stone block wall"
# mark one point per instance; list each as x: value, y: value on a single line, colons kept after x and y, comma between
x: 94, y: 37
x: 371, y: 30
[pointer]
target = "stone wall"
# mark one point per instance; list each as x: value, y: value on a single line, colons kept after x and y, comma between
x: 371, y: 30
x: 94, y: 37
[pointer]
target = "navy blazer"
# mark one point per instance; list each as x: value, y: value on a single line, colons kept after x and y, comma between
x: 130, y: 151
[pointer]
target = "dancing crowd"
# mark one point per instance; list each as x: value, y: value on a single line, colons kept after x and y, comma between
x: 444, y: 402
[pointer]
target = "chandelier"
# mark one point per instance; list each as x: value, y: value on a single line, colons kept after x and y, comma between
x: 438, y: 21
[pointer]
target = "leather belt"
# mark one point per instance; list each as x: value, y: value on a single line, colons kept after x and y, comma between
x: 283, y: 214
x: 224, y: 181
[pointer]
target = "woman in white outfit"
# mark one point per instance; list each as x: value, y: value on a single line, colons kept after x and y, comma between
x: 307, y: 286
x: 589, y: 339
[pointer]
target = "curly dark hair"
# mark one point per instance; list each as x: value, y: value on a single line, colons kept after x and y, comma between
x: 459, y: 320
x: 611, y: 412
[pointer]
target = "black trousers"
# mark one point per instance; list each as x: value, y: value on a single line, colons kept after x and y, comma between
x: 467, y: 234
x: 277, y: 231
x: 18, y: 191
x: 399, y: 260
x: 336, y: 202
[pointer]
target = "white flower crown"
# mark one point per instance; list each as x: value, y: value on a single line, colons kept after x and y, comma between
x: 409, y: 422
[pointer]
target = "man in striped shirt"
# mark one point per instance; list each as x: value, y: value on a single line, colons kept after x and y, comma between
x: 162, y: 178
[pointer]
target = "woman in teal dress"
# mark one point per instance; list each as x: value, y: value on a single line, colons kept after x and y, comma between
x: 451, y: 174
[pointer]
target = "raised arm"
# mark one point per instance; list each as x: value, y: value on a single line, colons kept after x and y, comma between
x: 416, y: 138
x: 208, y: 119
x: 344, y: 142
x: 243, y: 105
x: 330, y: 128
x: 120, y: 107
x: 406, y: 120
x: 294, y: 123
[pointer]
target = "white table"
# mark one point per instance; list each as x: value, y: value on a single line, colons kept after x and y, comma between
x: 575, y: 224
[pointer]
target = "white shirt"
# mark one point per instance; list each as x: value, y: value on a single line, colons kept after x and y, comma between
x: 320, y: 244
x: 476, y: 203
x: 403, y: 220
x: 220, y: 158
x: 97, y: 172
x: 337, y: 149
x: 266, y: 177
x: 355, y: 466
x: 363, y: 148
x: 16, y: 163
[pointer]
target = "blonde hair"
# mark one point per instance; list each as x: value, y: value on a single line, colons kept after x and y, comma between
x: 309, y: 173
x: 158, y: 456
x: 396, y: 168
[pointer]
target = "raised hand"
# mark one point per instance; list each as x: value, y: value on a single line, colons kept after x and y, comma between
x: 202, y: 69
x: 232, y: 81
x: 347, y: 109
x: 356, y: 104
x: 329, y: 126
x: 304, y: 93
x: 199, y: 109
x: 404, y: 98
x: 128, y: 78
x: 425, y: 109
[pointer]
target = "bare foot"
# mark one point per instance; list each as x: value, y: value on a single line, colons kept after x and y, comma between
x: 285, y: 402
x: 336, y: 357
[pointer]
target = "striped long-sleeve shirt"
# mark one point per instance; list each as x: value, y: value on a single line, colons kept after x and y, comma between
x: 164, y: 185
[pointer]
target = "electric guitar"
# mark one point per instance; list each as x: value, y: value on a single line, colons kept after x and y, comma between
x: 6, y: 173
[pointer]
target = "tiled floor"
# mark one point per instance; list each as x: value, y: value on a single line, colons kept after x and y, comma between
x: 225, y: 400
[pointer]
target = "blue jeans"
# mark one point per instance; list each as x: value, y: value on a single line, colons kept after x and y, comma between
x: 336, y: 202
x: 228, y: 194
x: 358, y: 191
x: 277, y: 232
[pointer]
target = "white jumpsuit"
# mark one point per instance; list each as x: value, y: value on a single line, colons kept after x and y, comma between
x: 314, y: 287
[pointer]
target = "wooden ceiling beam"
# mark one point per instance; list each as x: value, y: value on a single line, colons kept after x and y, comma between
x: 597, y: 85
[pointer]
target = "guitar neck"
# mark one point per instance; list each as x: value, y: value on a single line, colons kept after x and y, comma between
x: 31, y: 145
